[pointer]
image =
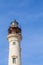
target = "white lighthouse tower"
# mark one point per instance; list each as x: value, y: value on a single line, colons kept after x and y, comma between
x: 14, y: 38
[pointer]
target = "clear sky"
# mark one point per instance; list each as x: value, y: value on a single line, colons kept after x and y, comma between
x: 29, y: 14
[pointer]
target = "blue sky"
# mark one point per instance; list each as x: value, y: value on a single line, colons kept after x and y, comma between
x: 29, y: 14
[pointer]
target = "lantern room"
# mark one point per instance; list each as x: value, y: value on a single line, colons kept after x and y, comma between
x: 14, y: 28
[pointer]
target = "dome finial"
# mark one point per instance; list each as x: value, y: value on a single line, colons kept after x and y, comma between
x: 14, y: 23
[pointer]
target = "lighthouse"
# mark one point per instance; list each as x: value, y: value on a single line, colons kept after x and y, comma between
x: 14, y: 38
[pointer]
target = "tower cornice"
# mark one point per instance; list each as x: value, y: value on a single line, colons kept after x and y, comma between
x: 15, y: 36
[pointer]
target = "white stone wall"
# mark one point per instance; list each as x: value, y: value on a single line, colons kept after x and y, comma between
x: 14, y: 50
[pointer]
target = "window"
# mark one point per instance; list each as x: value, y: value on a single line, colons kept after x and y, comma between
x: 14, y: 43
x: 14, y: 60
